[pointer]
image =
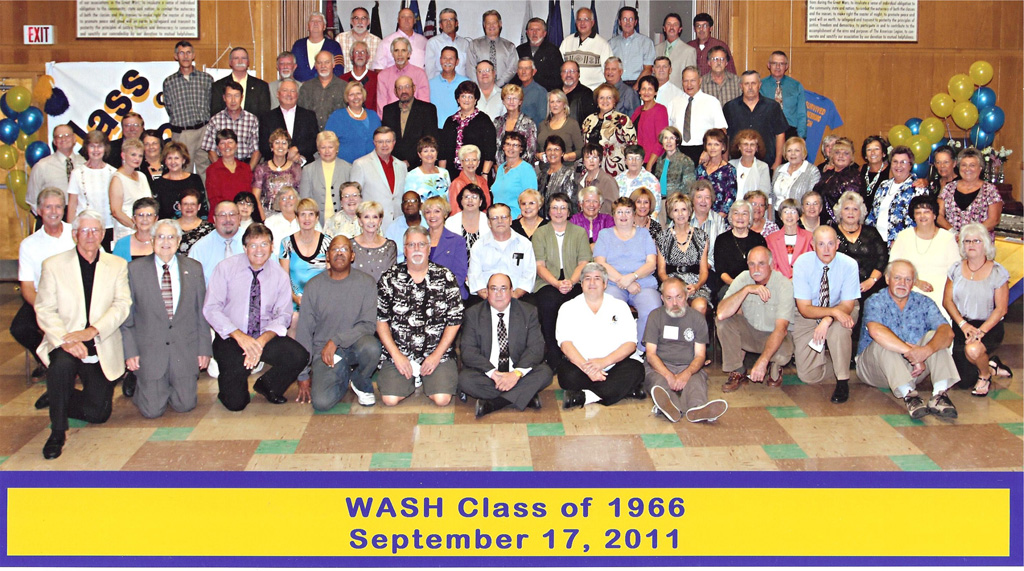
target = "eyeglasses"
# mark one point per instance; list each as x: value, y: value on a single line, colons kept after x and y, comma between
x: 340, y: 250
x: 417, y: 245
x: 255, y: 245
x: 500, y: 217
x: 63, y: 136
x: 131, y: 124
x: 570, y: 72
x: 90, y: 231
x: 145, y: 215
x: 228, y: 214
x: 902, y: 162
x: 166, y: 237
x: 716, y: 59
x: 356, y: 195
x: 411, y: 201
x: 972, y: 241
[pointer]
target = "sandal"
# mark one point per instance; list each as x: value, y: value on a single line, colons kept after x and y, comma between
x: 988, y: 386
x: 998, y: 368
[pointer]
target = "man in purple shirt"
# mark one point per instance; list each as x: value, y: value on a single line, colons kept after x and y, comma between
x: 249, y: 306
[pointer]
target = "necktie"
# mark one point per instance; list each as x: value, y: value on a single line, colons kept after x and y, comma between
x: 227, y: 249
x: 494, y: 54
x: 165, y: 292
x: 69, y: 166
x: 502, y: 344
x: 778, y: 92
x: 253, y: 329
x: 824, y: 299
x: 686, y: 120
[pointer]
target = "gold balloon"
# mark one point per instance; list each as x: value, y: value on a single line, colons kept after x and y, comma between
x: 900, y: 135
x: 965, y: 114
x: 961, y: 87
x: 942, y: 104
x: 17, y: 181
x: 921, y: 148
x: 8, y: 157
x: 25, y: 140
x: 933, y: 129
x: 981, y: 72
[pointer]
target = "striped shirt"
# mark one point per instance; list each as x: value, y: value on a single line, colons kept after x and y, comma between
x: 246, y: 128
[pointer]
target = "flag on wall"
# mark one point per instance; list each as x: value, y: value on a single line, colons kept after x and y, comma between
x: 555, y: 31
x: 430, y: 24
x: 615, y: 28
x: 527, y: 16
x: 593, y: 12
x: 375, y: 21
x: 572, y: 17
x: 415, y: 7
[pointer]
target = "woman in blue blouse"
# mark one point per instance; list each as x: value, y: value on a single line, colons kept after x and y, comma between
x: 447, y: 248
x: 140, y: 242
x: 718, y: 170
x: 514, y: 175
x: 353, y: 124
x: 304, y: 253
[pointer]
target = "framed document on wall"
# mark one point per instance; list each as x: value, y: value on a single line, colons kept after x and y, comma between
x: 863, y: 21
x: 138, y: 18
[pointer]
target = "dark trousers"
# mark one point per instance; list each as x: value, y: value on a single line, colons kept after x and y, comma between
x: 692, y: 151
x: 91, y: 404
x: 622, y: 379
x: 480, y: 386
x: 285, y: 356
x: 25, y: 330
x: 548, y: 300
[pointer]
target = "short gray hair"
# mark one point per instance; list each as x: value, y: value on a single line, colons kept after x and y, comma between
x: 979, y: 231
x: 87, y: 214
x: 415, y: 230
x: 596, y: 267
x: 406, y: 41
x: 51, y: 191
x: 166, y: 222
x: 892, y: 264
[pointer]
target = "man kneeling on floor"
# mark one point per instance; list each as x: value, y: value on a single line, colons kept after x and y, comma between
x: 676, y: 341
x: 754, y: 317
x: 502, y: 351
x: 597, y: 334
x: 903, y: 340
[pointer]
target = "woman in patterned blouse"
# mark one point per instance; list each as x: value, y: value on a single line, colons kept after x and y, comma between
x: 718, y: 170
x: 970, y: 199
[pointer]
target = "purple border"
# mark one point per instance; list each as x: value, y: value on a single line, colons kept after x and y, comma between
x: 914, y: 481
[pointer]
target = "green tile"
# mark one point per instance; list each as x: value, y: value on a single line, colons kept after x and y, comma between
x: 4, y: 459
x: 277, y: 446
x: 1014, y: 427
x: 559, y: 394
x: 661, y: 440
x: 914, y: 463
x: 899, y: 420
x: 340, y: 408
x: 791, y: 380
x: 391, y: 460
x: 168, y: 433
x: 545, y: 429
x: 1003, y: 394
x: 438, y: 418
x: 512, y: 469
x: 784, y: 451
x: 786, y: 412
x: 74, y: 423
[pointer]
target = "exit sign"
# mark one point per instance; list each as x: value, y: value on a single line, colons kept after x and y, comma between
x: 39, y: 35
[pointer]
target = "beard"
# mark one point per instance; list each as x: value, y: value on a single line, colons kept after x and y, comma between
x: 676, y: 313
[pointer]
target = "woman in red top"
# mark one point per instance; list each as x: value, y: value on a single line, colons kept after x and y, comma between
x: 226, y: 177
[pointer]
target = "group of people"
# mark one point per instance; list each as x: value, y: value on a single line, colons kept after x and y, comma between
x: 390, y: 219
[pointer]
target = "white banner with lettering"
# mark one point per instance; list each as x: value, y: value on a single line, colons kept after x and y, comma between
x: 102, y: 93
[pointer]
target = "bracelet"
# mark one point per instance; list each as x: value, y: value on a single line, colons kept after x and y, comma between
x: 636, y: 276
x: 961, y: 324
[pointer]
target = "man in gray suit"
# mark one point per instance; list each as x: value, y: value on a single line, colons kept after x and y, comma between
x: 502, y: 352
x: 166, y: 338
x: 313, y: 184
x: 381, y: 176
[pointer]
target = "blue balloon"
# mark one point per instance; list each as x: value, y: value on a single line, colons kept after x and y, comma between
x: 983, y: 98
x: 915, y: 125
x: 10, y: 113
x: 980, y: 138
x: 992, y: 119
x: 8, y: 131
x: 936, y: 146
x: 35, y: 152
x: 30, y: 120
x: 921, y: 170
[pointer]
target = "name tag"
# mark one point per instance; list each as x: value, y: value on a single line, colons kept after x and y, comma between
x: 671, y: 333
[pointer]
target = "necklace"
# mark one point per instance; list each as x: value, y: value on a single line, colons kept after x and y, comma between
x: 973, y: 271
x: 870, y: 183
x: 358, y: 116
x: 920, y: 239
x: 682, y: 245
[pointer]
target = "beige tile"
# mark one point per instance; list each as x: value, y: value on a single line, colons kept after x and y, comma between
x: 193, y: 455
x: 624, y: 417
x: 246, y: 427
x: 471, y: 446
x: 587, y: 453
x: 712, y: 458
x: 987, y: 447
x: 89, y: 448
x: 309, y: 462
x: 860, y: 464
x: 845, y: 436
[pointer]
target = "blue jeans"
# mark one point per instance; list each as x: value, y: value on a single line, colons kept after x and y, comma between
x: 645, y: 302
x: 357, y: 365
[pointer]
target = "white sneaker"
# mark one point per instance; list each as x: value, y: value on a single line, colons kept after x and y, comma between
x: 663, y: 403
x: 365, y: 399
x: 708, y: 412
x: 213, y: 369
x: 259, y: 367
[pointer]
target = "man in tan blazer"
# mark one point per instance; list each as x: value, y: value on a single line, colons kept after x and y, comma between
x: 82, y: 300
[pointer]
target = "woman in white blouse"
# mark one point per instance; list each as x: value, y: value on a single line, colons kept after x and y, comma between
x: 88, y: 188
x: 794, y: 178
x: 752, y: 173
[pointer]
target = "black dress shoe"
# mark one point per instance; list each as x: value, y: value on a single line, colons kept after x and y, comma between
x: 573, y: 399
x: 43, y: 401
x: 638, y: 393
x: 39, y: 371
x: 486, y: 406
x: 534, y: 402
x: 128, y: 384
x: 462, y: 396
x: 54, y: 445
x: 842, y: 392
x: 261, y: 388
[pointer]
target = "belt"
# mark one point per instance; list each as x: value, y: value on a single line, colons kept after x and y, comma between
x: 176, y: 129
x: 630, y: 82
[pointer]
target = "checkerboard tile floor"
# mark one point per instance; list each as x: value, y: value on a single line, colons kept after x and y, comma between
x: 794, y: 427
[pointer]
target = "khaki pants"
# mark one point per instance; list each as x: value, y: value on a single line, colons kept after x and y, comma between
x: 834, y: 361
x: 192, y: 139
x: 739, y: 337
x: 880, y: 367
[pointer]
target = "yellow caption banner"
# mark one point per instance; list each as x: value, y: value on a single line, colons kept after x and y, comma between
x: 511, y: 522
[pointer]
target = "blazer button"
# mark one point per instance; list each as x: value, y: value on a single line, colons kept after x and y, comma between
x: 168, y: 343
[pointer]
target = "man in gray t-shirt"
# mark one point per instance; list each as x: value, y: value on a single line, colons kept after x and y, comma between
x: 676, y: 338
x: 754, y: 317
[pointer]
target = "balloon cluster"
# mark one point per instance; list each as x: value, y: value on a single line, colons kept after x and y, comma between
x: 18, y: 131
x: 971, y: 106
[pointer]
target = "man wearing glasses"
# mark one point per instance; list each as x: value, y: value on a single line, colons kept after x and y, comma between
x: 224, y: 242
x: 419, y: 311
x: 505, y: 252
x: 339, y: 336
x: 788, y: 93
x: 634, y: 49
x: 132, y: 126
x: 704, y: 43
x: 720, y: 82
